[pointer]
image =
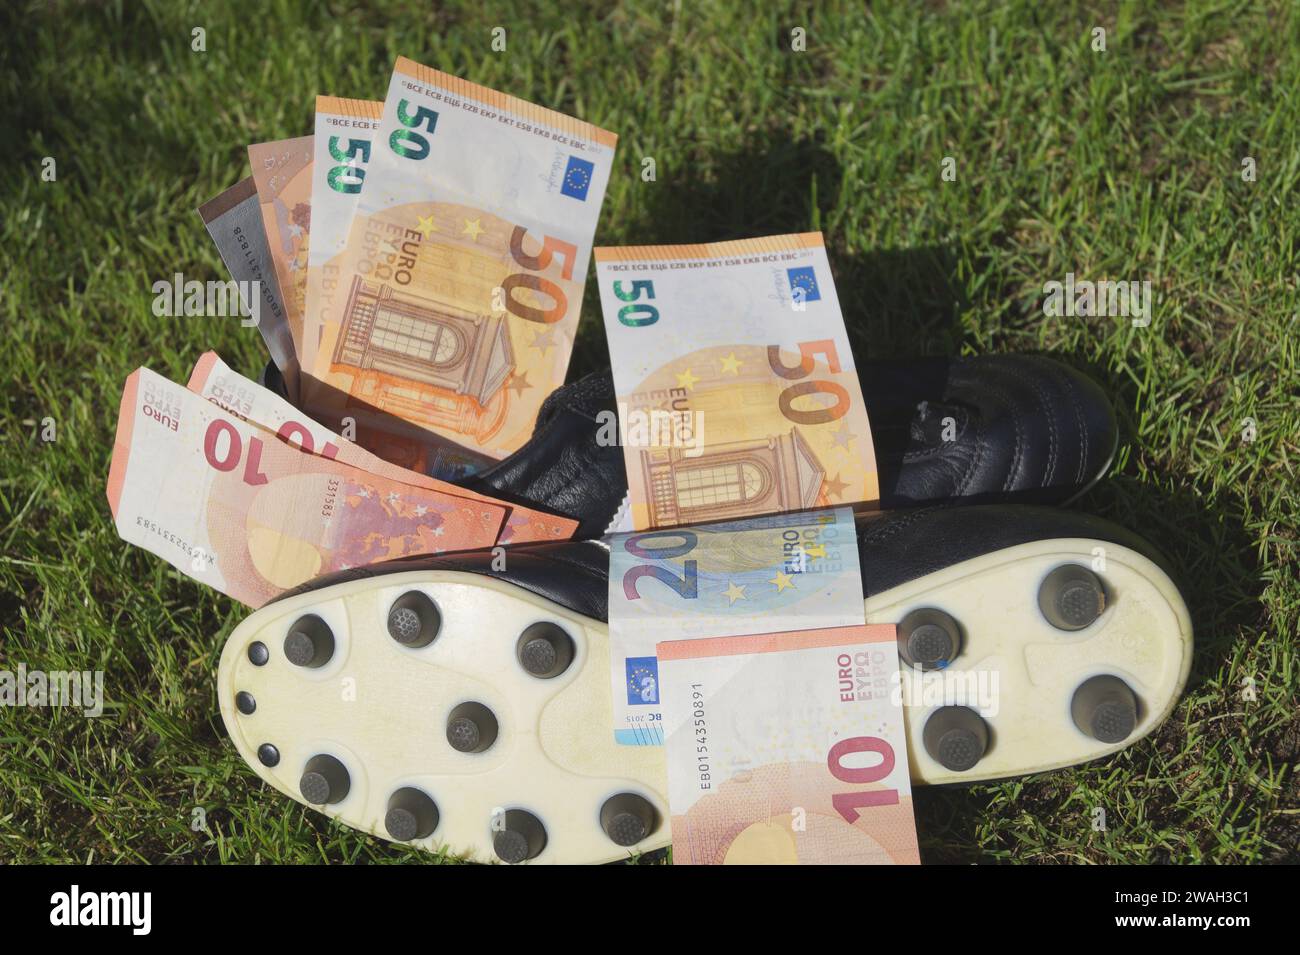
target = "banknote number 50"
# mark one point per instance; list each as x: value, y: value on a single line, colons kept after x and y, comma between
x: 826, y: 348
x: 848, y: 804
x: 551, y: 247
x: 635, y: 316
x: 408, y: 143
x: 346, y: 178
x: 687, y: 586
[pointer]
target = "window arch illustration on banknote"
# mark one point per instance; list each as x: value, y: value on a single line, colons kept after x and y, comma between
x: 427, y: 362
x: 732, y: 480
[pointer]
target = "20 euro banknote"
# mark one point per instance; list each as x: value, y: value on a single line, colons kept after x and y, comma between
x: 783, y: 572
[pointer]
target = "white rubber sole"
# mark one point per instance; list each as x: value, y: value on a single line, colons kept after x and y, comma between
x: 381, y: 709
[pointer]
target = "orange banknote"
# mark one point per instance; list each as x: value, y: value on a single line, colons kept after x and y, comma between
x: 282, y: 175
x: 461, y: 283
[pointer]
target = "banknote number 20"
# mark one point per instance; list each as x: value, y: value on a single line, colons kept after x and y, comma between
x: 687, y: 587
x: 406, y: 142
x: 826, y: 348
x: 848, y: 804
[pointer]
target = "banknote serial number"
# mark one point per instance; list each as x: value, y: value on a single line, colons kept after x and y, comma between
x: 331, y: 494
x: 700, y: 734
x: 154, y: 527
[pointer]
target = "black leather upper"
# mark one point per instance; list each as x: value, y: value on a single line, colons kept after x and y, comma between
x: 894, y: 547
x: 1023, y: 428
x: 1027, y: 428
x: 562, y: 468
x: 572, y: 574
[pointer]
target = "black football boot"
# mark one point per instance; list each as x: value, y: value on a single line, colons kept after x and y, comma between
x: 996, y: 428
x: 975, y: 430
x: 458, y: 704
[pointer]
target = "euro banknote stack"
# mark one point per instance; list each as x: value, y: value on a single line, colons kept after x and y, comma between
x: 235, y: 487
x: 430, y: 252
x: 738, y: 638
x: 417, y: 324
x: 416, y: 265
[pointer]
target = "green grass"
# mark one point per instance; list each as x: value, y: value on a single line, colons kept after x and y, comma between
x: 1122, y: 165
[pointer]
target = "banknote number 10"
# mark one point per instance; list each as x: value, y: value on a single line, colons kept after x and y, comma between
x: 228, y: 459
x: 848, y: 804
x: 826, y: 348
x: 687, y: 587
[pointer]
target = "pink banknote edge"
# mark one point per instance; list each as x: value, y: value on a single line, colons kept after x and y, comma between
x: 776, y: 642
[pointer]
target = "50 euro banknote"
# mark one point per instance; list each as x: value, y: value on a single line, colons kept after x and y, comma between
x: 461, y: 283
x: 236, y: 508
x: 215, y: 380
x: 787, y: 748
x: 341, y: 154
x: 737, y: 392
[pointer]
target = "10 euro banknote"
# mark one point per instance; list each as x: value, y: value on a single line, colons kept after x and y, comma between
x: 215, y: 380
x: 787, y: 748
x: 236, y: 508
